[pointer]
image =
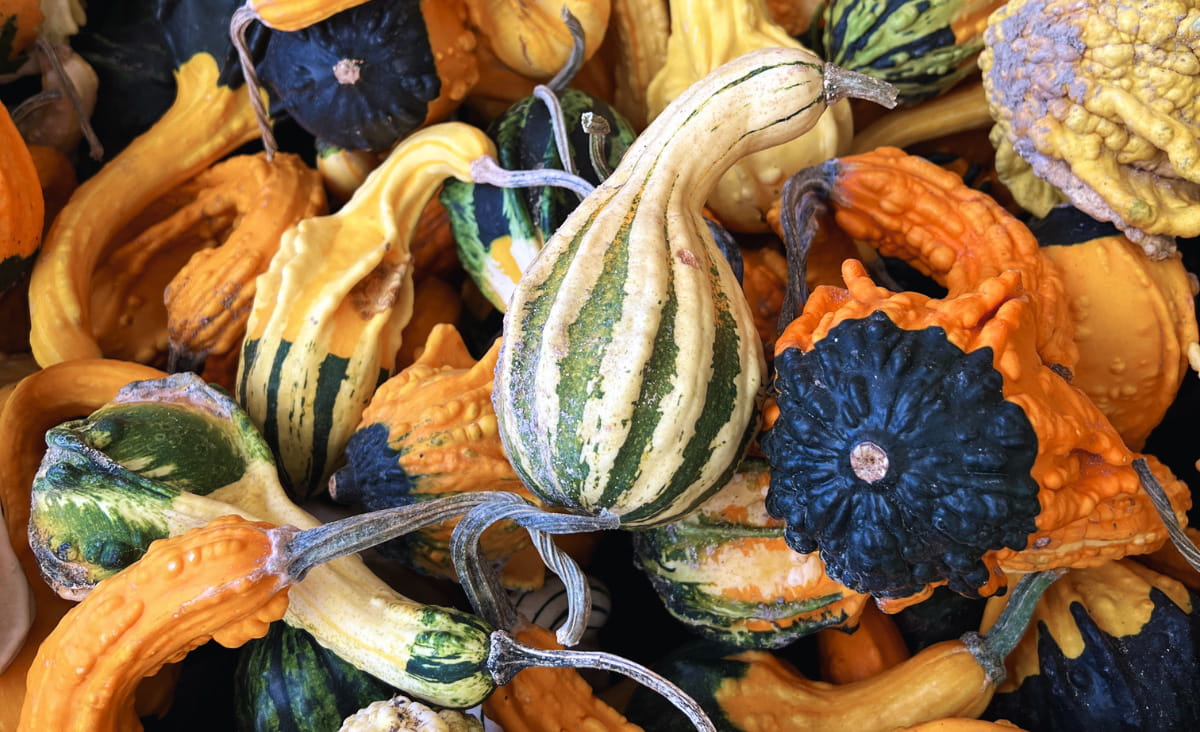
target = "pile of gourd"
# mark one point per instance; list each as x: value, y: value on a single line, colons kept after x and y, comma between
x: 364, y: 357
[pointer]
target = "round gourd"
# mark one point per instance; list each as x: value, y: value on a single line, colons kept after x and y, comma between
x: 360, y: 79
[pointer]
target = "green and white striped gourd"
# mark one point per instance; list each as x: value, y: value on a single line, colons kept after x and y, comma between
x: 329, y: 312
x: 630, y: 371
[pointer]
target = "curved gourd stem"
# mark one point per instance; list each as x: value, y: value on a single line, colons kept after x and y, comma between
x: 575, y: 60
x: 991, y: 648
x: 558, y: 126
x: 508, y: 656
x: 1162, y: 505
x: 485, y: 170
x: 598, y: 130
x: 320, y: 544
x: 95, y: 149
x: 481, y: 582
x: 841, y: 83
x: 238, y: 24
x: 804, y: 198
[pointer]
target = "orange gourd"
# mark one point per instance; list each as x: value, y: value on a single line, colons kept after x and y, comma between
x: 22, y: 209
x: 970, y: 453
x: 853, y: 654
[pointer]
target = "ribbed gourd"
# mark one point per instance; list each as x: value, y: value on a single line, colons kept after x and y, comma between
x: 726, y: 572
x: 952, y: 446
x: 629, y: 375
x: 330, y: 311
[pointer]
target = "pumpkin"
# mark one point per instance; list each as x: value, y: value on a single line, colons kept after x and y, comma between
x: 756, y: 689
x: 921, y: 48
x: 898, y: 392
x: 1112, y: 646
x: 430, y: 431
x: 727, y: 574
x: 1135, y: 319
x: 329, y: 313
x: 369, y: 75
x: 1120, y: 151
x: 21, y: 201
x: 706, y: 34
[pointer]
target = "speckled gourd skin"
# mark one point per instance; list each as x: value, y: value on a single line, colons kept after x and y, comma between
x: 1103, y: 101
x: 629, y: 376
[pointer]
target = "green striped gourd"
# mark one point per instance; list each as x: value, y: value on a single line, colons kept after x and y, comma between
x: 168, y: 455
x: 329, y: 312
x: 628, y: 380
x: 499, y: 231
x: 922, y: 47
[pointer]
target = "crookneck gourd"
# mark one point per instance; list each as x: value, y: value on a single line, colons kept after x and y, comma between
x: 726, y: 572
x: 21, y: 202
x: 1135, y: 319
x: 430, y: 431
x: 629, y: 375
x: 1109, y: 647
x: 529, y: 37
x: 923, y: 48
x: 170, y: 455
x: 1103, y: 102
x: 330, y: 310
x: 207, y: 121
x: 757, y: 690
x: 925, y: 441
x: 706, y: 34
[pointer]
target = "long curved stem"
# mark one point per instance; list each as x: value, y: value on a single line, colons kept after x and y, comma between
x: 238, y: 24
x: 508, y: 657
x: 558, y: 126
x: 1162, y: 505
x: 801, y: 203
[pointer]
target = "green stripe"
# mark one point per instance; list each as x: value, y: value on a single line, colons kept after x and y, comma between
x: 330, y: 376
x: 720, y: 400
x: 537, y: 472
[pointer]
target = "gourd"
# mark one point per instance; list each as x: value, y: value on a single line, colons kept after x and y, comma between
x: 641, y: 29
x: 330, y: 311
x: 369, y: 75
x: 20, y: 21
x: 498, y: 230
x: 117, y: 484
x: 286, y: 681
x: 1063, y: 88
x: 1111, y: 646
x: 726, y: 572
x: 755, y: 689
x: 638, y: 402
x: 705, y: 35
x: 21, y: 202
x: 1135, y: 319
x: 529, y: 36
x: 430, y: 431
x: 550, y: 699
x: 958, y: 110
x: 967, y: 393
x: 921, y: 48
x: 871, y: 646
x: 38, y: 402
x: 402, y: 713
x: 207, y: 120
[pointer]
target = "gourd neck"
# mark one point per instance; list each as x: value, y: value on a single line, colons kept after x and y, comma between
x: 727, y: 25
